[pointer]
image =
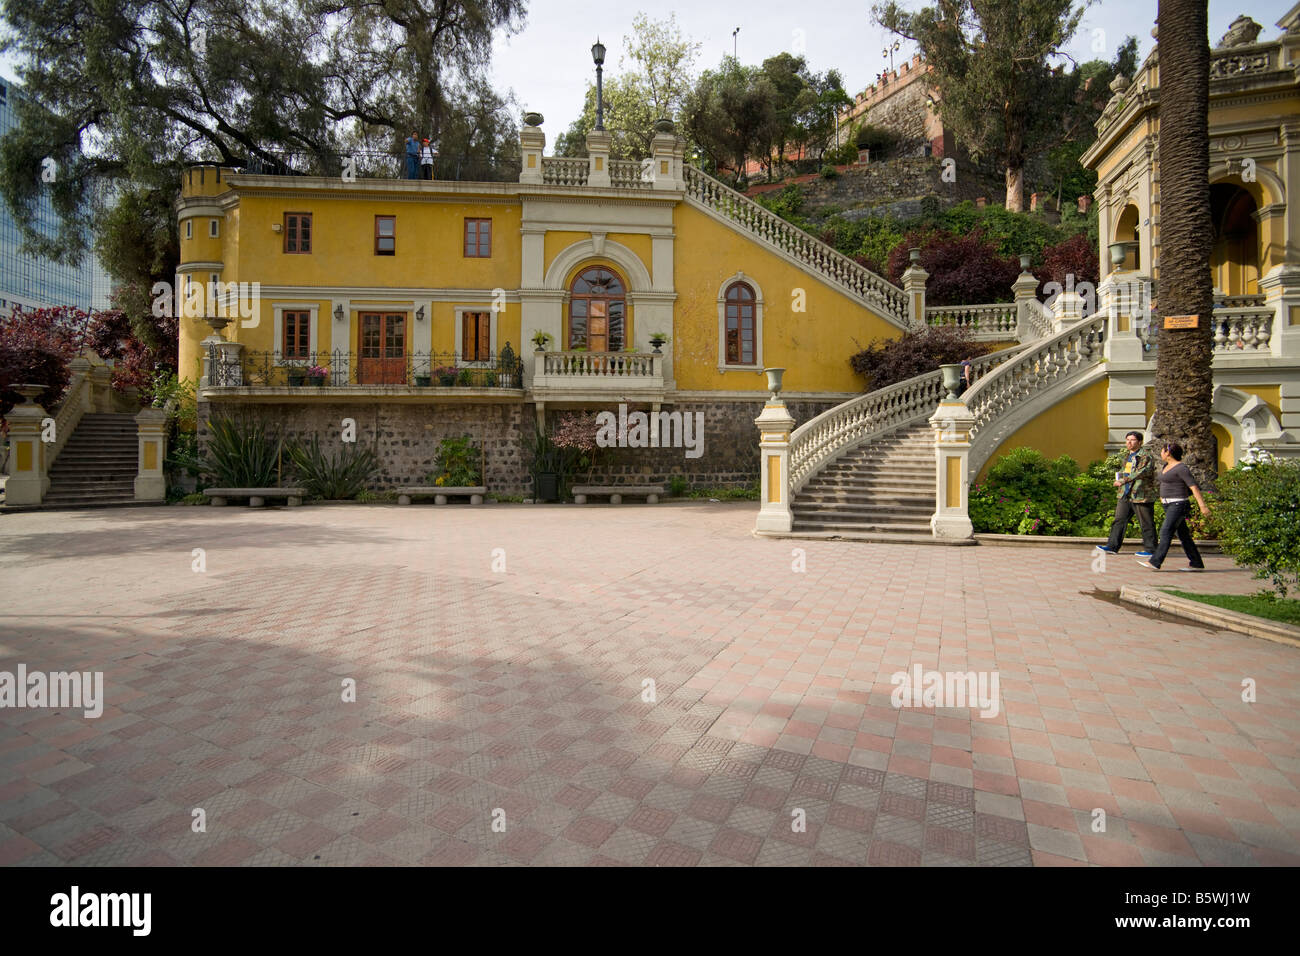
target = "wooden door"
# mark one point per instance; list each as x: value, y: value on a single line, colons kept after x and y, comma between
x: 598, y: 327
x: 383, y: 349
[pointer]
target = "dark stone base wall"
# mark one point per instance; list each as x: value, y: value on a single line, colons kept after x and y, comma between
x: 405, y: 438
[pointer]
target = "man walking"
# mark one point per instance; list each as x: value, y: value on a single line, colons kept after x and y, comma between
x: 1137, y: 493
x: 413, y: 157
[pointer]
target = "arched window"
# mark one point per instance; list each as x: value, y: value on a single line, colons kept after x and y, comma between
x: 597, y: 307
x: 740, y: 324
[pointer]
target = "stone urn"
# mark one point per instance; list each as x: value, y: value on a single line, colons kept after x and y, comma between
x: 951, y: 380
x: 29, y: 392
x: 774, y: 376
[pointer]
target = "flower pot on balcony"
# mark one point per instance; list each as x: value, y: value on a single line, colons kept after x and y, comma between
x: 658, y: 343
x: 317, y: 380
x: 423, y: 381
x: 297, y: 377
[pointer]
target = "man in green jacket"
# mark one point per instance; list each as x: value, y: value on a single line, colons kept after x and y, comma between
x: 1137, y: 493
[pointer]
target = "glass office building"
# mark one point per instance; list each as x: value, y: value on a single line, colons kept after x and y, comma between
x: 33, y: 281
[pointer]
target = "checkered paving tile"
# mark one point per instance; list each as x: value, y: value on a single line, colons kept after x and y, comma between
x: 666, y: 693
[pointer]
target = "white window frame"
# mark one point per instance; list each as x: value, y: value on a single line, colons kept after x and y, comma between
x: 214, y: 229
x: 189, y: 228
x: 722, y: 324
x: 492, y: 335
x: 278, y: 310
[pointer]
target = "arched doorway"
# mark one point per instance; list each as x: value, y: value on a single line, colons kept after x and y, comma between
x: 1126, y: 230
x: 1234, y: 259
x: 597, y: 310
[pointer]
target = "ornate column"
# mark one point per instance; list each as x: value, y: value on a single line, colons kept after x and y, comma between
x: 952, y: 423
x: 151, y: 427
x: 774, y: 427
x: 27, y: 482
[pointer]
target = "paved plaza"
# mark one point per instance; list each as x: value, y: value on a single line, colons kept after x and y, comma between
x: 504, y: 712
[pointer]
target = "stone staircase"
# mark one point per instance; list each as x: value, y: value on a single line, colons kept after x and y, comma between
x: 881, y: 491
x: 97, y: 465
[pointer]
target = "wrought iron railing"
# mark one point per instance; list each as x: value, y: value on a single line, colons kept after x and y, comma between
x: 372, y: 164
x: 347, y: 369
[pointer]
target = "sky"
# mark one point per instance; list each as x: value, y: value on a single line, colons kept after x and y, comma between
x: 548, y: 64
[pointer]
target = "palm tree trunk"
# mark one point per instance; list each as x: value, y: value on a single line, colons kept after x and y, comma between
x: 1184, y: 376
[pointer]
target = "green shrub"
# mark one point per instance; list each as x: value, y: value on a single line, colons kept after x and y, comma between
x: 842, y: 155
x: 1258, y: 520
x: 241, y: 454
x: 195, y: 499
x: 829, y: 172
x: 875, y: 138
x: 677, y: 486
x: 336, y: 476
x: 1026, y: 493
x: 457, y: 464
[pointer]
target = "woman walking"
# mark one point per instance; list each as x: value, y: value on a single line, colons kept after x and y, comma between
x: 1176, y: 481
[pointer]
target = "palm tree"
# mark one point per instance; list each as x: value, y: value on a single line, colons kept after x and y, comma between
x: 1184, y: 377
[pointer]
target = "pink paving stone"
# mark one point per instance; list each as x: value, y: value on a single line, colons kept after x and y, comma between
x: 230, y: 852
x: 1049, y: 815
x: 16, y: 849
x: 1160, y: 838
x: 306, y: 840
x: 1050, y: 859
x: 668, y: 853
x: 1208, y: 823
x: 590, y: 831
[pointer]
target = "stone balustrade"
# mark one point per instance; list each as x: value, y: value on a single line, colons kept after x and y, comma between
x: 989, y: 323
x: 812, y: 253
x: 564, y: 171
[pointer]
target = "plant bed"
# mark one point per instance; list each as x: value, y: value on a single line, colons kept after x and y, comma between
x: 1286, y: 610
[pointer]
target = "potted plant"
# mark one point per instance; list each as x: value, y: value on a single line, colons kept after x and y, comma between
x: 446, y: 375
x: 541, y: 339
x: 466, y: 377
x: 297, y: 375
x: 423, y: 381
x: 658, y: 340
x: 317, y: 374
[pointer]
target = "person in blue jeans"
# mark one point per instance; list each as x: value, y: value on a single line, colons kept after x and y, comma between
x: 413, y: 157
x: 1176, y: 483
x: 1137, y: 495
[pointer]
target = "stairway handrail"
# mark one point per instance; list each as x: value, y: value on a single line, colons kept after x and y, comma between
x: 710, y: 193
x: 1041, y: 364
x: 827, y: 436
x: 76, y: 402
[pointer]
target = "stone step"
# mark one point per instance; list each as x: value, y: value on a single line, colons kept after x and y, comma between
x: 829, y: 524
x: 878, y: 537
x: 843, y: 505
x: 900, y: 486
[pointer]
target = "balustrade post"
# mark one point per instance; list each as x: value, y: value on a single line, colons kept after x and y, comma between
x: 151, y: 429
x: 27, y: 482
x: 1281, y: 288
x: 532, y: 141
x: 914, y: 285
x: 774, y: 426
x: 598, y: 143
x: 1024, y: 288
x: 952, y: 423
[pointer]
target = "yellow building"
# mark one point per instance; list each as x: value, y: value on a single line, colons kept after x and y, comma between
x: 413, y: 299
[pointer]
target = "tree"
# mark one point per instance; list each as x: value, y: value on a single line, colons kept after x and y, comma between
x: 728, y: 114
x: 990, y: 60
x: 1184, y: 374
x: 654, y: 87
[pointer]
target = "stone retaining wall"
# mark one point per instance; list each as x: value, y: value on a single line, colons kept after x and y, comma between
x: 405, y: 438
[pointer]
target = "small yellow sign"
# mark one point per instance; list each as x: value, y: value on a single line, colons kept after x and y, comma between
x: 1181, y: 321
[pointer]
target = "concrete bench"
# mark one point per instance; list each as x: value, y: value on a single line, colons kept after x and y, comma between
x: 441, y: 493
x: 256, y: 496
x: 652, y: 493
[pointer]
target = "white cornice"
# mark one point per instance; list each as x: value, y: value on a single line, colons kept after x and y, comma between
x: 373, y: 294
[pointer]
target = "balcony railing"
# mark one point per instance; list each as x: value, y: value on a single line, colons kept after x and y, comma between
x: 596, y: 371
x: 992, y: 323
x: 345, y: 369
x: 370, y: 164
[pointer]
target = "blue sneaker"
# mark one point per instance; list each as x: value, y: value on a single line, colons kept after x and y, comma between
x: 1102, y: 547
x: 1144, y: 554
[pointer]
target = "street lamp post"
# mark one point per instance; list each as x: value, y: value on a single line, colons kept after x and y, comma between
x: 735, y: 44
x: 598, y: 55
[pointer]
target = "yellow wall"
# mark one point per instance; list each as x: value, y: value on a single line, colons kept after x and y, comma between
x: 814, y: 347
x: 1074, y: 427
x: 430, y: 244
x: 1227, y: 453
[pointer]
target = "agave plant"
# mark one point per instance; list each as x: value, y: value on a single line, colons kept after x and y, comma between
x: 333, y: 476
x: 241, y: 453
